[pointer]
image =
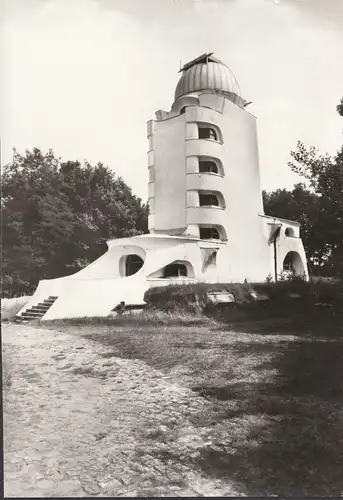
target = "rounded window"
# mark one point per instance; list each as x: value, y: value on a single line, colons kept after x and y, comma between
x: 290, y: 232
x: 209, y: 233
x: 208, y: 133
x: 207, y: 166
x: 208, y: 200
x: 133, y: 263
x: 175, y: 270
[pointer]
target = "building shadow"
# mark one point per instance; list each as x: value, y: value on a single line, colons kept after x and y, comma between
x: 300, y: 449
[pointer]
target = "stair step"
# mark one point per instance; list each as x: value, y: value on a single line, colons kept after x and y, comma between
x: 30, y: 311
x: 37, y: 312
x: 31, y: 316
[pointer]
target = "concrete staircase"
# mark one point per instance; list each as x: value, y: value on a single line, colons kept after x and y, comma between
x: 38, y: 311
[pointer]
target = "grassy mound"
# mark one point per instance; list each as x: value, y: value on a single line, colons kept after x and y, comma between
x: 282, y: 294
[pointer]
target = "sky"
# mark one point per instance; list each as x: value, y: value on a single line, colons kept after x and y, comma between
x: 83, y: 77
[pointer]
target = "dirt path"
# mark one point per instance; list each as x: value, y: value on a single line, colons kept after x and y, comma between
x: 79, y: 421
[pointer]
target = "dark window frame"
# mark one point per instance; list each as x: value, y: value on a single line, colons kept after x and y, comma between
x: 175, y: 270
x: 208, y: 166
x: 209, y: 233
x: 288, y: 263
x: 207, y: 133
x: 133, y: 263
x: 208, y: 200
x: 289, y: 232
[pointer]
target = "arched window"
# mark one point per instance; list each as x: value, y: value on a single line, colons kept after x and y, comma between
x: 175, y: 270
x: 207, y: 166
x: 290, y: 232
x: 207, y: 133
x: 133, y: 264
x: 208, y: 200
x: 209, y: 233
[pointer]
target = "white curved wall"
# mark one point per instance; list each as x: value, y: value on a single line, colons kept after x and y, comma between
x: 205, y: 147
x: 207, y: 181
x: 206, y: 215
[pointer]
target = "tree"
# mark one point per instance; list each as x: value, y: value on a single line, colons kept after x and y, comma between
x: 57, y: 216
x: 325, y: 176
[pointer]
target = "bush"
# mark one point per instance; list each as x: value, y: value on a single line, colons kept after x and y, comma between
x: 10, y: 307
x: 194, y: 297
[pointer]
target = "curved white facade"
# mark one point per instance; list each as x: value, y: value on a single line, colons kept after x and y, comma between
x: 206, y: 217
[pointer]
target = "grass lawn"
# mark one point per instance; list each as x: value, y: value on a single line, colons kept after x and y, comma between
x: 272, y: 391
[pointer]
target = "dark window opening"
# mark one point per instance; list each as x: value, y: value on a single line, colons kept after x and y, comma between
x: 208, y: 200
x: 288, y: 263
x: 207, y: 133
x: 208, y: 166
x: 182, y: 111
x: 175, y: 270
x: 209, y: 233
x: 289, y: 232
x: 133, y: 264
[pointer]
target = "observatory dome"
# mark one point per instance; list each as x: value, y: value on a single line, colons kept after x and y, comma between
x: 207, y: 73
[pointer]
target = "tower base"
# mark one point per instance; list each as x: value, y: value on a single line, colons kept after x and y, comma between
x: 133, y: 265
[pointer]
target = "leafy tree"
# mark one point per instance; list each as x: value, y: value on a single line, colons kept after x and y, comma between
x: 57, y: 216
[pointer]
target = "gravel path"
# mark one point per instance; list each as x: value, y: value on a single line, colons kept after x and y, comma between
x: 79, y: 421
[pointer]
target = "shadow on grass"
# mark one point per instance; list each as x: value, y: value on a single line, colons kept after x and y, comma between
x: 274, y: 387
x: 289, y: 318
x: 302, y: 452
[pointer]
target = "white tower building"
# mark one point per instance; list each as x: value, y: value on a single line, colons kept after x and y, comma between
x: 206, y: 220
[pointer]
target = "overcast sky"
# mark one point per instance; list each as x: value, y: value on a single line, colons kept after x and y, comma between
x: 84, y: 76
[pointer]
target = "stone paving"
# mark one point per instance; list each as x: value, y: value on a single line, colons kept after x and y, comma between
x: 79, y: 421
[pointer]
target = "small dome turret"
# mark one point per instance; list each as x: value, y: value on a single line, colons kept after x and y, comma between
x: 208, y: 73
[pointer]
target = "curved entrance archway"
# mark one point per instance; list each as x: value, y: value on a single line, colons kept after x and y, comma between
x: 293, y: 264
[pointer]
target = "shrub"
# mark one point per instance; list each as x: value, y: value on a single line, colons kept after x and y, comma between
x: 10, y: 307
x: 194, y: 297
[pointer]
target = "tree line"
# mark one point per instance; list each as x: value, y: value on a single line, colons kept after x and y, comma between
x: 56, y: 216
